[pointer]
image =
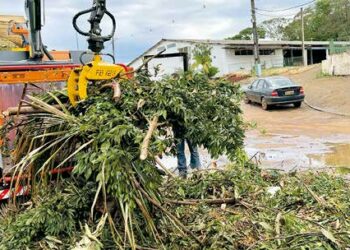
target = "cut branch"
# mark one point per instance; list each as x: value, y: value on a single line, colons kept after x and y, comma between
x: 146, y: 141
x: 117, y: 92
x: 24, y: 110
x: 202, y: 201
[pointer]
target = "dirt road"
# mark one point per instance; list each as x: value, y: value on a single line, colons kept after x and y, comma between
x: 303, y: 121
x: 290, y: 138
x: 330, y: 93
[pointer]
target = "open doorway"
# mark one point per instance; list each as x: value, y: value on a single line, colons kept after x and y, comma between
x: 316, y: 55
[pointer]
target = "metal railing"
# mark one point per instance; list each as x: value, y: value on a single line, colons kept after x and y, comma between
x: 293, y: 61
x: 337, y: 49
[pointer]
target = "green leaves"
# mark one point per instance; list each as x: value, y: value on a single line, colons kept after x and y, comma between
x: 327, y: 20
x: 57, y: 213
x: 203, y: 60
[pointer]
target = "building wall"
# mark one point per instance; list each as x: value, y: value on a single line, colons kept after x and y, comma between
x: 337, y: 65
x: 223, y: 58
x: 246, y: 62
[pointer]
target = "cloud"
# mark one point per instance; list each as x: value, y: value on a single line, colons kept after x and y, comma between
x: 140, y: 24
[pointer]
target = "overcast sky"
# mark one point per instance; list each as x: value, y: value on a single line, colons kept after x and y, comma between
x: 140, y: 24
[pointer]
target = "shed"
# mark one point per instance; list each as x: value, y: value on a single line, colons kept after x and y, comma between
x: 235, y: 55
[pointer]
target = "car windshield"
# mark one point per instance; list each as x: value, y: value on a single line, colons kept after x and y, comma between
x: 281, y: 82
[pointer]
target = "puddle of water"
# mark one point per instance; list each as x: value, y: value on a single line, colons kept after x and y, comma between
x: 338, y: 158
x: 299, y: 152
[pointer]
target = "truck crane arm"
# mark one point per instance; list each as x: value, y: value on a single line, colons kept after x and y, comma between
x: 34, y: 15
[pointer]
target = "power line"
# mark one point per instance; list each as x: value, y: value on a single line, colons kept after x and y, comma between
x: 290, y: 8
x: 152, y: 30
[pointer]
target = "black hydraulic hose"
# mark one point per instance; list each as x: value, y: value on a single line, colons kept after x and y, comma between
x: 105, y: 38
x: 75, y: 18
x: 47, y: 53
x: 114, y: 24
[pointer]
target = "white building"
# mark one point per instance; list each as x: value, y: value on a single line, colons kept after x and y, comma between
x: 231, y: 55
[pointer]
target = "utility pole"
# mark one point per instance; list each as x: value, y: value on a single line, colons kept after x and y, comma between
x: 256, y: 41
x: 303, y: 37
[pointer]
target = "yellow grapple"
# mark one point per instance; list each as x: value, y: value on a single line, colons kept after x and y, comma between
x: 96, y: 70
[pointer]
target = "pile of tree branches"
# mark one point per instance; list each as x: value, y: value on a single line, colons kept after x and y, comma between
x: 260, y: 209
x: 116, y: 198
x: 113, y: 145
x: 240, y: 207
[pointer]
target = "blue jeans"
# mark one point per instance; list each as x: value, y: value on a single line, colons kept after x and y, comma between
x: 181, y: 157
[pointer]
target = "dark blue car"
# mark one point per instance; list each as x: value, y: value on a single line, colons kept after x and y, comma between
x: 269, y: 91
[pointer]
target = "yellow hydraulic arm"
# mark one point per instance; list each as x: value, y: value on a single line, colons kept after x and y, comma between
x: 97, y: 69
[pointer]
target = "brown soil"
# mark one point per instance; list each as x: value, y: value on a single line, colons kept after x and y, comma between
x: 330, y: 93
x: 303, y: 121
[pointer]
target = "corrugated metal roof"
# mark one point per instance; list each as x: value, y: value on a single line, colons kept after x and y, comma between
x: 251, y: 42
x: 234, y: 43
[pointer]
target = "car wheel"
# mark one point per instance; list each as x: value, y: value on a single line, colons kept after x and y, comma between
x: 264, y: 104
x: 246, y: 99
x: 297, y: 104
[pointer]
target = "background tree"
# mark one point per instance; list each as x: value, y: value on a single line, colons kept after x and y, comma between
x: 274, y: 28
x: 324, y: 21
x: 327, y: 20
x: 292, y: 31
x: 247, y: 34
x: 203, y: 60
